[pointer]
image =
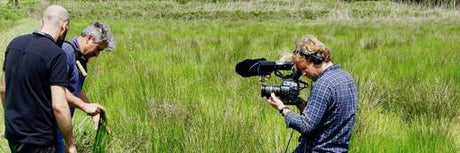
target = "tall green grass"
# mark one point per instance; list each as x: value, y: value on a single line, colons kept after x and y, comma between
x: 171, y: 86
x: 253, y: 10
x: 9, y: 16
x: 103, y: 136
x: 434, y: 3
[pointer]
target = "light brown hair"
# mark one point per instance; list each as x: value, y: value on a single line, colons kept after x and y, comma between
x: 312, y: 43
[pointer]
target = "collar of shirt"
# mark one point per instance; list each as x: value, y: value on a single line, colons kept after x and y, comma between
x: 75, y: 42
x: 330, y: 68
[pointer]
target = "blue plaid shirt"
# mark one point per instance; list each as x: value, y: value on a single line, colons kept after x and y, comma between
x: 328, y: 119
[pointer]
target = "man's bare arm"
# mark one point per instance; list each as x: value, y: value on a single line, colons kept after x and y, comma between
x: 83, y: 97
x: 89, y: 108
x: 62, y: 114
x: 3, y: 90
x: 73, y: 100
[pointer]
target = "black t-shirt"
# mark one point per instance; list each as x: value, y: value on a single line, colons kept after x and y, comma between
x: 32, y: 64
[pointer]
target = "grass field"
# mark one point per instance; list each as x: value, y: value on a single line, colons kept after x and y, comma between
x: 170, y: 85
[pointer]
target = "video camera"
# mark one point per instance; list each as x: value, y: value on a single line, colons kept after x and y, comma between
x: 290, y: 87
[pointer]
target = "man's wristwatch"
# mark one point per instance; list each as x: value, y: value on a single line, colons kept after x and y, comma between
x: 282, y: 109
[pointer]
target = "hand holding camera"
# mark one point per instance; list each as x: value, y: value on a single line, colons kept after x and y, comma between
x: 275, y: 101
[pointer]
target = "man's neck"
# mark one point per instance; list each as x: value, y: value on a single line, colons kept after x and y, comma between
x: 80, y: 40
x: 50, y: 32
x: 320, y: 70
x: 325, y: 66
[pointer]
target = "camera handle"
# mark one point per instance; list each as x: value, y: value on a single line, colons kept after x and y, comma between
x: 279, y: 74
x: 264, y: 78
x: 303, y: 83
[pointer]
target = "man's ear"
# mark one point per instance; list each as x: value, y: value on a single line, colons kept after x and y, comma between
x: 65, y: 26
x: 88, y: 38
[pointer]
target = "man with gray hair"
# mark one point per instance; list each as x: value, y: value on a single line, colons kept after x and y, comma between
x: 33, y: 87
x: 93, y: 39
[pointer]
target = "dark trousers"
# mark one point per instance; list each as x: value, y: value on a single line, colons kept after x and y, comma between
x: 31, y: 148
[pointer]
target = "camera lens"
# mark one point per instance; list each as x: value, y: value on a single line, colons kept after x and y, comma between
x: 288, y: 91
x: 266, y: 90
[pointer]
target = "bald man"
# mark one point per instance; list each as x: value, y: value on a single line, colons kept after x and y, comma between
x: 33, y: 87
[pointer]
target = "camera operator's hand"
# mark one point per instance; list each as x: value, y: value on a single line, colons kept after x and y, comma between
x: 275, y: 102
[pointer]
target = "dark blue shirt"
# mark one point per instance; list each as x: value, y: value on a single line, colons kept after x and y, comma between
x: 76, y: 79
x: 32, y: 64
x: 328, y: 119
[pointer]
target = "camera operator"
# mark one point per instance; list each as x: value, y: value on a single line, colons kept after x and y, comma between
x: 328, y: 117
